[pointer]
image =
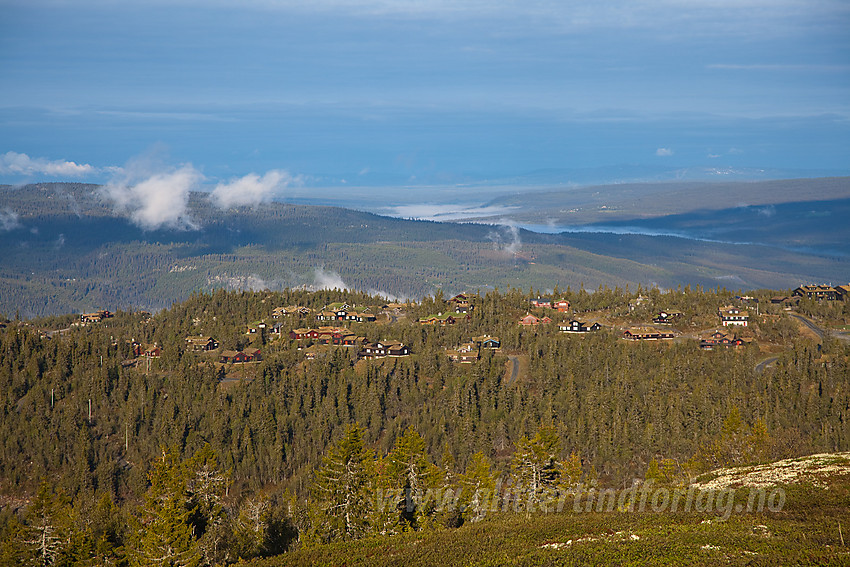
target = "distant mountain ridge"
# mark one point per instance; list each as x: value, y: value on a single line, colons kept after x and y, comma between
x: 65, y: 249
x: 617, y: 202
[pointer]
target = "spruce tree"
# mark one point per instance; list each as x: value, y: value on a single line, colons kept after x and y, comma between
x: 410, y: 471
x: 534, y: 464
x: 166, y: 537
x: 341, y: 487
x: 479, y: 486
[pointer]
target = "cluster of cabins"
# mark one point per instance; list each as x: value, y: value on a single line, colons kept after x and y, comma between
x: 147, y: 351
x: 207, y: 344
x: 462, y: 305
x: 443, y: 319
x: 321, y: 336
x: 333, y: 312
x: 719, y: 339
x: 338, y: 336
x: 290, y: 311
x: 730, y: 316
x: 344, y: 312
x: 383, y: 349
x: 576, y: 326
x: 560, y: 305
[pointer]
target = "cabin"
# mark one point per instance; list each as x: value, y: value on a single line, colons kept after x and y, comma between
x: 576, y: 326
x: 351, y: 340
x: 646, y: 335
x: 364, y: 317
x: 337, y: 336
x: 486, y: 341
x: 383, y: 350
x: 331, y: 315
x: 532, y: 321
x: 720, y: 339
x: 96, y: 316
x: 731, y: 315
x: 232, y: 357
x: 135, y: 348
x: 464, y: 354
x: 462, y: 303
x: 542, y: 302
x: 445, y: 318
x: 201, y: 344
x: 562, y: 305
x: 290, y: 311
x: 240, y: 357
x: 152, y: 352
x: 667, y: 317
x: 314, y: 352
x: 637, y: 302
x: 817, y: 292
x: 299, y: 334
x: 256, y: 328
x: 254, y: 355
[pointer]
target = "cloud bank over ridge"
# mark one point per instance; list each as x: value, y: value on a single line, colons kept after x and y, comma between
x: 14, y: 163
x: 251, y: 189
x: 154, y: 196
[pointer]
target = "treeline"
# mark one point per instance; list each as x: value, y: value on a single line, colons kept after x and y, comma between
x: 76, y: 415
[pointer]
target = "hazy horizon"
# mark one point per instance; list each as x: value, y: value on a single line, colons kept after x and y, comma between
x: 278, y: 94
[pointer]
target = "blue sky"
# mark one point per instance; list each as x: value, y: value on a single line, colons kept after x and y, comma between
x: 380, y: 92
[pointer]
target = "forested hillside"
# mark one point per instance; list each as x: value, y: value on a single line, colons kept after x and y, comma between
x: 65, y: 249
x: 224, y: 456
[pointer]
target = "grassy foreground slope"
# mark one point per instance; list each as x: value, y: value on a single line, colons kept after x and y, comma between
x: 804, y: 523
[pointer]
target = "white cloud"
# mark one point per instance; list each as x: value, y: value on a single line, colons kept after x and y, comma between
x: 767, y: 211
x: 251, y: 189
x: 8, y: 220
x: 435, y: 212
x: 664, y: 152
x: 21, y: 164
x: 154, y: 199
x: 390, y: 296
x: 510, y: 241
x: 323, y: 279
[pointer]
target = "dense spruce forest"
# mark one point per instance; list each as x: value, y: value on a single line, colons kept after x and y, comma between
x: 109, y: 456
